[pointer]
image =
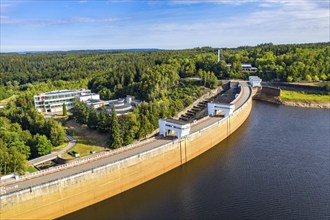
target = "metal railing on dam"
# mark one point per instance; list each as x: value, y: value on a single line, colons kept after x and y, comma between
x: 123, y: 168
x: 239, y: 101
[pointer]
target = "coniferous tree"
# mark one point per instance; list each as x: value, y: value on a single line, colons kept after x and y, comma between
x: 129, y: 128
x: 145, y: 127
x: 80, y: 111
x: 64, y: 110
x: 92, y: 118
x: 115, y: 136
x: 104, y: 123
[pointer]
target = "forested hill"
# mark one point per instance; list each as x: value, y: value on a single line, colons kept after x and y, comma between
x: 155, y: 77
x: 119, y: 72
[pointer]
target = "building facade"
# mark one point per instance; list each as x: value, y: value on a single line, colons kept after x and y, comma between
x: 246, y: 67
x: 166, y: 126
x: 53, y: 101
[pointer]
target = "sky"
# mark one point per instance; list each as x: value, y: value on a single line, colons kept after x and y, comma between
x: 42, y: 25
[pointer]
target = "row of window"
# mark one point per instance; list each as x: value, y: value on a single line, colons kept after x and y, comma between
x: 38, y: 98
x: 52, y: 103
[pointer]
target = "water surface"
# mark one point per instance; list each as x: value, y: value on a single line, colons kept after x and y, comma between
x: 275, y: 166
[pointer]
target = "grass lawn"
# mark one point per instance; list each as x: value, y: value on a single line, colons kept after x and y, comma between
x: 60, y: 116
x: 31, y: 169
x: 309, y: 83
x: 83, y: 150
x: 87, y: 140
x: 303, y: 97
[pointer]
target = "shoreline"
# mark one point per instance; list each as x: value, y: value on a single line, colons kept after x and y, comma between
x: 299, y: 104
x: 97, y: 179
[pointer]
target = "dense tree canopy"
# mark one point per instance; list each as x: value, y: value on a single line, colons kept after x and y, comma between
x: 24, y: 134
x: 160, y: 78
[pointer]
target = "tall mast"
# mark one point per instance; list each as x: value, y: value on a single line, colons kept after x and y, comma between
x: 219, y: 55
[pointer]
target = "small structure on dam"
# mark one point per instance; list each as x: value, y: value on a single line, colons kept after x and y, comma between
x: 216, y: 108
x: 49, y: 194
x: 181, y: 128
x: 255, y: 81
x: 219, y: 105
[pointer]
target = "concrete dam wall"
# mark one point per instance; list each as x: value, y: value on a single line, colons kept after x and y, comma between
x: 63, y: 196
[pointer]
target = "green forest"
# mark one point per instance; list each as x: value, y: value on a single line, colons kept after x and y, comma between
x: 25, y: 134
x: 159, y: 77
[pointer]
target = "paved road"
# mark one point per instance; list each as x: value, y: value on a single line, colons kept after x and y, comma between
x: 212, y: 120
x: 245, y: 95
x: 53, y: 155
x: 16, y: 186
x: 84, y: 167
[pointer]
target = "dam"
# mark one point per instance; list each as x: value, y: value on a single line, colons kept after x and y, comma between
x: 71, y: 187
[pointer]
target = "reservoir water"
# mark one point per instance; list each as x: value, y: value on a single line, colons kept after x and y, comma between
x: 275, y: 166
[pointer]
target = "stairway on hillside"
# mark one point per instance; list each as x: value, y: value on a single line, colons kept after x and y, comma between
x: 200, y: 109
x: 197, y: 112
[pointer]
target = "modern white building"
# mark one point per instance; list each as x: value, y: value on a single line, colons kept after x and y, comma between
x: 217, y: 108
x: 255, y: 81
x: 122, y: 106
x: 53, y: 101
x: 246, y: 67
x: 166, y: 126
x: 85, y: 96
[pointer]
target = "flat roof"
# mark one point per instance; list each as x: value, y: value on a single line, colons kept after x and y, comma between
x: 94, y: 101
x: 174, y: 121
x: 254, y: 78
x: 64, y: 91
x: 89, y: 94
x: 61, y: 92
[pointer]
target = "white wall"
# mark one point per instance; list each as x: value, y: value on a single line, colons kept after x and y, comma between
x: 180, y: 130
x: 255, y: 81
x: 92, y: 96
x: 227, y: 108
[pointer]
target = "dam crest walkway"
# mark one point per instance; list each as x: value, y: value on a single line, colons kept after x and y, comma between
x: 30, y: 181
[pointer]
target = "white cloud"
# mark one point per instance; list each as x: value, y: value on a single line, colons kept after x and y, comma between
x: 4, y: 4
x: 265, y: 5
x: 239, y: 2
x: 295, y: 21
x: 190, y: 2
x: 289, y: 22
x: 300, y: 13
x: 59, y: 21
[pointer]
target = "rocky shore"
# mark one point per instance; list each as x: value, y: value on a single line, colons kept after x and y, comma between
x: 324, y: 105
x: 277, y: 100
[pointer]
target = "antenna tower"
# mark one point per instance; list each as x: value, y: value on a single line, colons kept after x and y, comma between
x: 219, y: 55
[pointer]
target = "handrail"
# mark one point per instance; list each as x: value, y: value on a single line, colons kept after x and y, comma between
x: 113, y: 152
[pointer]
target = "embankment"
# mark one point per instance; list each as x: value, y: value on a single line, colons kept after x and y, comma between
x: 273, y: 95
x: 325, y: 105
x: 66, y: 195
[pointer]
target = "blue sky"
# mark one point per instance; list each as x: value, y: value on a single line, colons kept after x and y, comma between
x: 173, y: 24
